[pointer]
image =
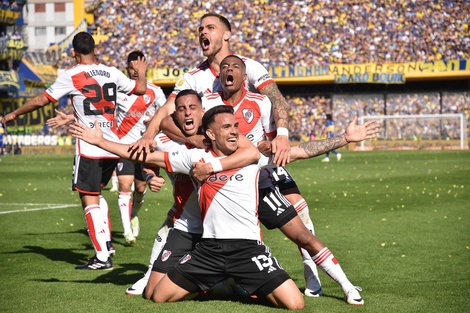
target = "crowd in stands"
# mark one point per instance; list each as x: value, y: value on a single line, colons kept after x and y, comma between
x: 301, y: 33
x: 290, y: 32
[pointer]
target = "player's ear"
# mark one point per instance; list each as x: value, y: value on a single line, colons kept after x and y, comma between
x: 227, y: 35
x: 210, y: 134
x: 95, y: 52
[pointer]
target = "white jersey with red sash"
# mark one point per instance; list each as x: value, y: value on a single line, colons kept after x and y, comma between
x: 187, y: 217
x: 93, y: 89
x: 205, y: 80
x: 228, y: 200
x: 133, y: 110
x: 255, y: 117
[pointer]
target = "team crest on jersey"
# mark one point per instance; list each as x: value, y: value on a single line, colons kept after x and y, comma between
x: 146, y: 99
x: 120, y: 165
x: 248, y: 115
x: 185, y: 259
x: 165, y: 255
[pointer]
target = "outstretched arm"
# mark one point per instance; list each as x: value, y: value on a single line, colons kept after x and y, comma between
x: 354, y: 133
x: 94, y: 136
x: 147, y: 142
x: 170, y: 128
x: 30, y: 106
x: 60, y: 120
x: 246, y: 154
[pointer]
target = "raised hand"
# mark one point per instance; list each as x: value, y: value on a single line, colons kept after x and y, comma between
x: 356, y: 133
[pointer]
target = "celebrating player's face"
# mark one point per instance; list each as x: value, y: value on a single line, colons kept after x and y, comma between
x: 232, y: 73
x: 211, y: 35
x: 224, y: 130
x: 189, y: 114
x: 133, y: 73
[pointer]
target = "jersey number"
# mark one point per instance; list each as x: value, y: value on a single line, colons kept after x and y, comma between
x: 262, y: 261
x: 108, y: 94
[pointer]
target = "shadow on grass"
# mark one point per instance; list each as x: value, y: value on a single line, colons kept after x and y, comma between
x: 118, y: 276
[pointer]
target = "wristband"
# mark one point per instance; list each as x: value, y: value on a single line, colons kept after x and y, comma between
x: 345, y: 138
x: 282, y: 131
x: 216, y: 165
x: 148, y: 177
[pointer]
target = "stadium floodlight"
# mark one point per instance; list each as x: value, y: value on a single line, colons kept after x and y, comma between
x: 419, y: 131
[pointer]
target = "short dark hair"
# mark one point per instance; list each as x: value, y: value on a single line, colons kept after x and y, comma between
x: 186, y: 92
x: 209, y: 116
x: 220, y: 17
x: 134, y: 55
x: 234, y: 56
x: 83, y: 43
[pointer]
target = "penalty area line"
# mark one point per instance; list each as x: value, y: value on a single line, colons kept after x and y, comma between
x: 48, y: 207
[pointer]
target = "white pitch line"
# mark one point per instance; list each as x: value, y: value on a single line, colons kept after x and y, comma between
x: 48, y: 207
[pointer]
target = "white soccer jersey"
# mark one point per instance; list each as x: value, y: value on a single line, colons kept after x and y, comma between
x: 188, y: 216
x: 228, y: 200
x: 254, y: 113
x: 133, y: 110
x: 93, y: 89
x: 255, y: 117
x: 205, y: 81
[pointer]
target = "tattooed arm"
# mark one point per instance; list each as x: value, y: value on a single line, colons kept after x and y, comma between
x: 280, y: 144
x: 354, y: 133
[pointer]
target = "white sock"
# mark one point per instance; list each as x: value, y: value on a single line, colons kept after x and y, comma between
x: 137, y: 201
x: 124, y: 201
x: 310, y: 268
x: 96, y: 230
x: 328, y: 263
x: 107, y: 221
x: 114, y: 182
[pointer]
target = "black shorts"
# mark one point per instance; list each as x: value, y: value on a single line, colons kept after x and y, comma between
x: 178, y: 244
x: 274, y: 210
x: 248, y: 262
x: 92, y: 175
x: 126, y: 167
x: 282, y: 178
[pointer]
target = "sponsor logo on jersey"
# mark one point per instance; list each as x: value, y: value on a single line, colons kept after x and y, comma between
x: 185, y: 259
x: 120, y: 165
x: 165, y: 255
x: 225, y: 178
x: 147, y: 99
x: 248, y: 115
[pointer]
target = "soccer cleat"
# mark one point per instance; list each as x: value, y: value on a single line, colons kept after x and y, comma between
x: 130, y: 239
x: 135, y: 226
x: 95, y: 264
x: 110, y: 247
x: 313, y: 294
x: 138, y: 287
x: 353, y: 297
x: 326, y: 160
x: 338, y: 157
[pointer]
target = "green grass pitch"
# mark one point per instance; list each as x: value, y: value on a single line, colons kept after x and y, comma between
x: 398, y: 222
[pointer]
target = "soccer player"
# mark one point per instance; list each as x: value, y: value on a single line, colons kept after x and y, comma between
x: 214, y: 37
x: 329, y: 133
x: 231, y: 241
x: 93, y: 88
x: 132, y: 116
x: 254, y: 115
x: 184, y: 216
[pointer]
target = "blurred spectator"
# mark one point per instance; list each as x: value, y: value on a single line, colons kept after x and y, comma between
x: 290, y: 32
